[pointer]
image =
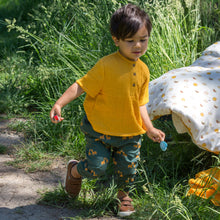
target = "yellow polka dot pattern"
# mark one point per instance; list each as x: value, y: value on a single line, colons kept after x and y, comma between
x: 192, y: 95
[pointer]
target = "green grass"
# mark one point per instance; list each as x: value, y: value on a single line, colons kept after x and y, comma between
x: 46, y: 45
x: 3, y: 149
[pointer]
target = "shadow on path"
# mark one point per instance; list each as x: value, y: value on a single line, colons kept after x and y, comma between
x: 36, y: 212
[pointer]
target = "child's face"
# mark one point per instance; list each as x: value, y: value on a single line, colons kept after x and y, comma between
x: 133, y: 47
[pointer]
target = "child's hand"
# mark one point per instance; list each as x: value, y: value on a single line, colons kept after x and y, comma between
x: 156, y: 135
x: 55, y: 114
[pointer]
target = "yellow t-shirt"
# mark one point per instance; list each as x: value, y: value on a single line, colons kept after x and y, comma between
x: 115, y: 88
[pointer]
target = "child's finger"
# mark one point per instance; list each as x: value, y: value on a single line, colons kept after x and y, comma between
x: 162, y: 135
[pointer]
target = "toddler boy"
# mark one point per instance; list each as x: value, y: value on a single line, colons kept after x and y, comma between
x: 116, y: 116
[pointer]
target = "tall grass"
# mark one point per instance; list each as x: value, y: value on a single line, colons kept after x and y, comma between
x: 179, y: 35
x: 66, y: 39
x: 61, y: 41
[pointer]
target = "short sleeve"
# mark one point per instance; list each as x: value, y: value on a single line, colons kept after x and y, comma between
x: 92, y: 82
x: 144, y: 93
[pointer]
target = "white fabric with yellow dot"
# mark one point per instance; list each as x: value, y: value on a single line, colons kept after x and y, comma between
x: 192, y: 95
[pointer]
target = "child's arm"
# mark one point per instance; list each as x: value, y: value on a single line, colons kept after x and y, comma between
x: 69, y: 95
x: 152, y: 132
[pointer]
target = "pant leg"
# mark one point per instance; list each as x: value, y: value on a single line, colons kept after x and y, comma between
x: 97, y: 153
x: 126, y: 159
x: 97, y: 159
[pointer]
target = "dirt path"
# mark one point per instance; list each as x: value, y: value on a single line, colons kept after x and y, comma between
x: 19, y: 190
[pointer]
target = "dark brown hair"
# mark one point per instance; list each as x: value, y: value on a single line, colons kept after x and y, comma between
x: 126, y: 21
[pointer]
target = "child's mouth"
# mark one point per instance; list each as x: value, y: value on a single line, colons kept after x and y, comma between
x: 136, y: 52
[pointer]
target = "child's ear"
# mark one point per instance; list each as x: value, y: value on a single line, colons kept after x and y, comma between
x: 115, y: 40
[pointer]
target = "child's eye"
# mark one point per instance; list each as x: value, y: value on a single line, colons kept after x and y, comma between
x: 129, y: 41
x: 143, y: 40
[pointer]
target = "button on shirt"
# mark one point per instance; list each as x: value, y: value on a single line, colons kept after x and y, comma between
x: 115, y: 89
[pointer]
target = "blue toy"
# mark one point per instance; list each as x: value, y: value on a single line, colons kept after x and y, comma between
x: 163, y: 145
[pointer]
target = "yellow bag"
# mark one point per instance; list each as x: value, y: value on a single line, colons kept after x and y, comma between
x: 206, y: 185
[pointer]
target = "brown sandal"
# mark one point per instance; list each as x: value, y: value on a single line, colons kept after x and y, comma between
x: 125, y: 206
x: 72, y: 184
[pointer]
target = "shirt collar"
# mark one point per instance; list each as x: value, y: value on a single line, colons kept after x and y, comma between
x: 126, y: 59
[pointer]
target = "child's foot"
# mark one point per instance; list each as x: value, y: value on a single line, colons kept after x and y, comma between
x: 72, y: 184
x: 125, y: 206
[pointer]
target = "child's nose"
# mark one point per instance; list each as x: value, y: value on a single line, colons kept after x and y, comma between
x: 138, y: 44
